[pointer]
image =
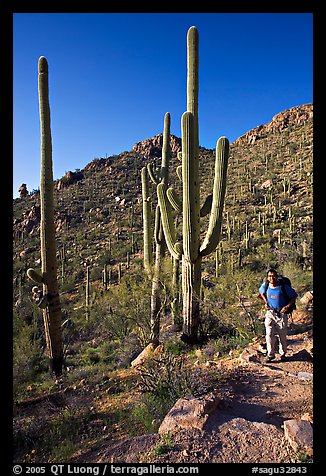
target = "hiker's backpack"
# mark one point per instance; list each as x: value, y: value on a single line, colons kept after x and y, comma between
x: 282, y: 280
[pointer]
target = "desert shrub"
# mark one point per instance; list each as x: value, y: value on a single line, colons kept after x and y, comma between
x: 225, y: 311
x: 149, y: 411
x: 28, y: 351
x: 164, y: 446
x: 223, y: 345
x: 66, y: 284
x: 175, y: 346
x: 300, y: 280
x: 124, y: 309
x: 168, y: 378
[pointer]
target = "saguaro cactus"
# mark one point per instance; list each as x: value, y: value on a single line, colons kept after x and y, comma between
x: 148, y: 251
x: 48, y: 277
x: 156, y: 305
x: 190, y: 249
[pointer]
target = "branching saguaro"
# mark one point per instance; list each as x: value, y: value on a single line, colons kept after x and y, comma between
x: 50, y: 301
x: 190, y: 249
x: 160, y: 245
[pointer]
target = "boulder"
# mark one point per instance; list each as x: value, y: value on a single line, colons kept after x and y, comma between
x: 267, y: 184
x: 307, y: 297
x: 145, y: 354
x: 249, y: 354
x: 299, y: 434
x: 190, y: 412
x: 301, y: 317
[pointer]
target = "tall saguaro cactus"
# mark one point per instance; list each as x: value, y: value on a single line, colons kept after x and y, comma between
x: 155, y: 271
x: 191, y: 250
x: 148, y: 251
x: 160, y: 249
x: 48, y: 277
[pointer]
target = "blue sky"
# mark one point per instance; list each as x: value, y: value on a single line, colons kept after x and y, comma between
x: 113, y: 76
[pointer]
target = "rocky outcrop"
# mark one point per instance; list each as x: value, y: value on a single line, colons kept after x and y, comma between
x: 98, y: 164
x: 28, y: 221
x: 69, y: 179
x: 295, y: 116
x: 153, y: 147
x: 23, y: 192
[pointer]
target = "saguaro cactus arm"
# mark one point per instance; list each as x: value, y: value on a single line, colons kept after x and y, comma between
x: 221, y: 163
x: 179, y: 172
x: 152, y: 175
x: 157, y: 225
x: 164, y: 172
x: 177, y: 204
x: 174, y: 199
x: 174, y: 247
x: 35, y: 275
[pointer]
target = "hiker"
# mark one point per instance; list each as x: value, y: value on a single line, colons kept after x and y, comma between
x: 279, y: 299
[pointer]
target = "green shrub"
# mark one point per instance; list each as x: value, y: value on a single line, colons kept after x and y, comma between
x: 28, y: 352
x: 150, y: 411
x: 125, y: 309
x: 164, y: 446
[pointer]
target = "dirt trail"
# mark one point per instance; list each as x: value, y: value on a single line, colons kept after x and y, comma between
x: 247, y: 427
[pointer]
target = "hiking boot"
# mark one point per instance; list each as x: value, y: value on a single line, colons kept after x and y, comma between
x: 269, y: 359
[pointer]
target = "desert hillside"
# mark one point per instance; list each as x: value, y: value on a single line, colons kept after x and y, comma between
x: 105, y: 409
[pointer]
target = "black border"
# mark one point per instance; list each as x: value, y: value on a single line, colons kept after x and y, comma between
x: 7, y: 10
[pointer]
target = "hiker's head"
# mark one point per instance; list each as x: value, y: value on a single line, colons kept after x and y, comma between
x: 271, y: 275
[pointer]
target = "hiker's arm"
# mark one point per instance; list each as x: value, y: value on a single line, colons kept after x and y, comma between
x: 265, y: 302
x: 285, y: 309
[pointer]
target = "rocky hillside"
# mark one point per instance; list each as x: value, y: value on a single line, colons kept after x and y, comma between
x: 294, y: 117
x: 280, y: 173
x: 100, y: 398
x: 150, y: 148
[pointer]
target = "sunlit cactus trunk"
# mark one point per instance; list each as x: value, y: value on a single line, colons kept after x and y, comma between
x: 191, y: 282
x: 52, y: 312
x: 191, y: 259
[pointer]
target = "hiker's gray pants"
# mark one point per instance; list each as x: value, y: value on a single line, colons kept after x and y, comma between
x: 276, y: 326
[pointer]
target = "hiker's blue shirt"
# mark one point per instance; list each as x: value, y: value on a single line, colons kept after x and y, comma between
x: 275, y: 298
